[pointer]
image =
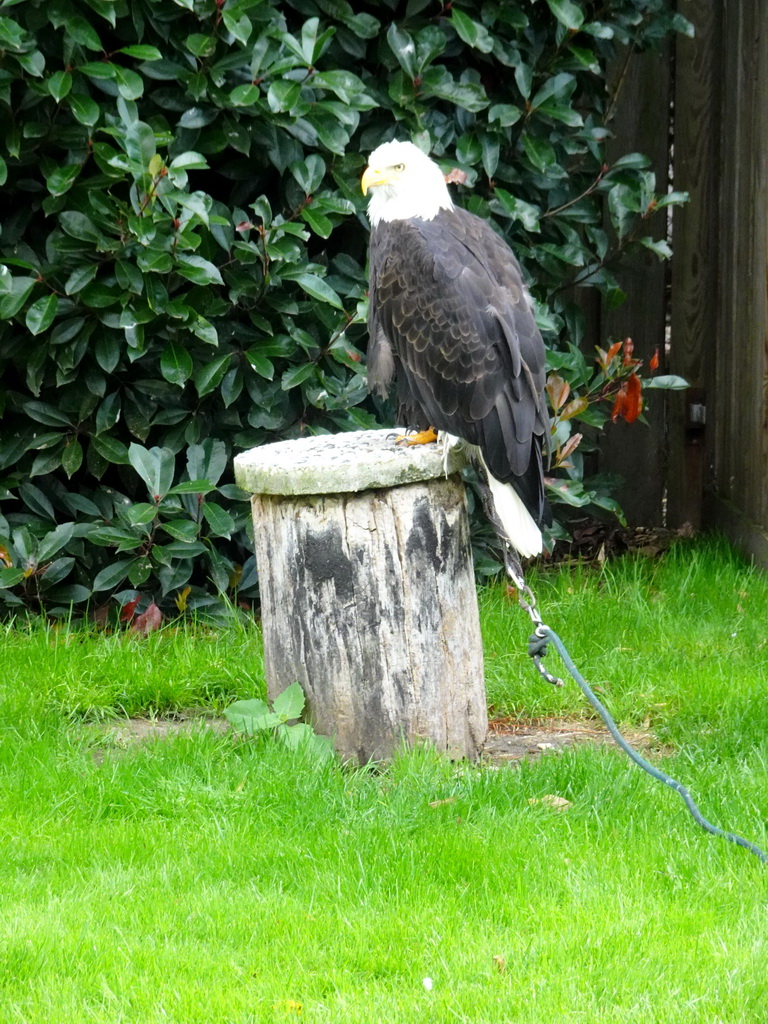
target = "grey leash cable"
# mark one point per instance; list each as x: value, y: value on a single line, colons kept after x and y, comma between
x: 537, y: 648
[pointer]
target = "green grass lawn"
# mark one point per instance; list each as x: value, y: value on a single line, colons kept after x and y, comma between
x: 201, y: 880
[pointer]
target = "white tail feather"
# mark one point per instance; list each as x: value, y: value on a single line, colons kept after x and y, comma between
x: 519, y: 525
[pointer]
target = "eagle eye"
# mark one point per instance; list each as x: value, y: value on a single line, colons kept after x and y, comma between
x: 399, y: 167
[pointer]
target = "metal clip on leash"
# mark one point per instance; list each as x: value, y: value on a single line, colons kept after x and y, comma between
x: 538, y: 640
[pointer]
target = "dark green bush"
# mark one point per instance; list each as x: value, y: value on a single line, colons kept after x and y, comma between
x: 184, y: 247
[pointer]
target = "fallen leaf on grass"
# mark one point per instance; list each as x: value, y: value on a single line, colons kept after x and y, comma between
x: 441, y: 803
x: 288, y: 1006
x: 557, y: 803
x: 148, y: 621
x: 129, y: 609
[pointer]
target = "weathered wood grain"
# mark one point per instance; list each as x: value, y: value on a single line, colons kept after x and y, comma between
x: 369, y: 601
x: 694, y: 269
x: 636, y: 454
x: 737, y: 447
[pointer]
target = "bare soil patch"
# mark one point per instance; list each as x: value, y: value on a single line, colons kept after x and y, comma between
x: 122, y: 733
x: 509, y: 740
x: 512, y: 740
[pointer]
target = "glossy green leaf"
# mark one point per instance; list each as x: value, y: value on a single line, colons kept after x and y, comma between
x: 14, y: 297
x: 85, y: 109
x: 539, y: 151
x: 41, y: 313
x: 80, y: 277
x: 207, y: 461
x: 283, y: 95
x: 192, y: 487
x: 155, y: 466
x: 403, y: 47
x: 188, y: 161
x: 108, y: 412
x: 79, y: 225
x: 219, y: 520
x: 472, y: 32
x: 81, y: 31
x: 54, y: 541
x: 72, y: 457
x: 319, y: 289
x: 176, y: 364
x: 567, y: 13
x: 59, y: 85
x: 13, y: 36
x: 10, y: 577
x: 182, y: 530
x: 111, y: 449
x: 245, y: 95
x: 129, y: 84
x: 50, y: 415
x: 263, y: 366
x: 141, y: 52
x: 659, y: 246
x: 112, y: 575
x: 198, y: 269
x: 209, y: 375
x: 37, y: 501
x: 309, y: 173
x: 56, y: 571
x: 297, y: 375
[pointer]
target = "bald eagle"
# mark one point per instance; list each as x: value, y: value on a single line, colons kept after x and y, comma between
x: 451, y: 324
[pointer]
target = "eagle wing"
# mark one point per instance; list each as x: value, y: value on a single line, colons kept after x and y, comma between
x: 450, y: 321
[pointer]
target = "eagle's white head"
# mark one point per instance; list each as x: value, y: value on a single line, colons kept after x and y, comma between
x: 403, y: 183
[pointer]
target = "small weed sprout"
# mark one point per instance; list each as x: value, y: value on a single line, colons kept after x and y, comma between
x: 253, y: 716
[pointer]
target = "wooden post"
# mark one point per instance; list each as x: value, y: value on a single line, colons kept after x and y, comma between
x: 367, y: 591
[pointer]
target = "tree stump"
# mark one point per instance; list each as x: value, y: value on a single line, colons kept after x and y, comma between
x: 367, y: 590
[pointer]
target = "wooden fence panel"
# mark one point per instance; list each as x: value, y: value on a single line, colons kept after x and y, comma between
x: 694, y: 278
x: 634, y: 452
x: 682, y: 470
x: 736, y: 497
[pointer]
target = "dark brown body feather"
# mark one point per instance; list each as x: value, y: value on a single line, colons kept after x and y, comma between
x: 450, y: 323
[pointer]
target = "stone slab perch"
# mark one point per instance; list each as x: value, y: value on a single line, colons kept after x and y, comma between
x: 368, y: 591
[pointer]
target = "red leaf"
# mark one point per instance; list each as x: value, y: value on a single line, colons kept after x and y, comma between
x: 612, y: 351
x: 574, y: 408
x: 148, y: 621
x: 629, y: 400
x: 456, y: 177
x: 129, y: 610
x: 629, y: 348
x: 558, y: 390
x: 570, y: 446
x: 654, y: 363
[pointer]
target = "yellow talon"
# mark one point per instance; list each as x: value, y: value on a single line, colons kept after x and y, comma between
x: 420, y: 437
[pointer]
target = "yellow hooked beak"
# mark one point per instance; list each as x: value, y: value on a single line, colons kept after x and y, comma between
x: 373, y: 176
